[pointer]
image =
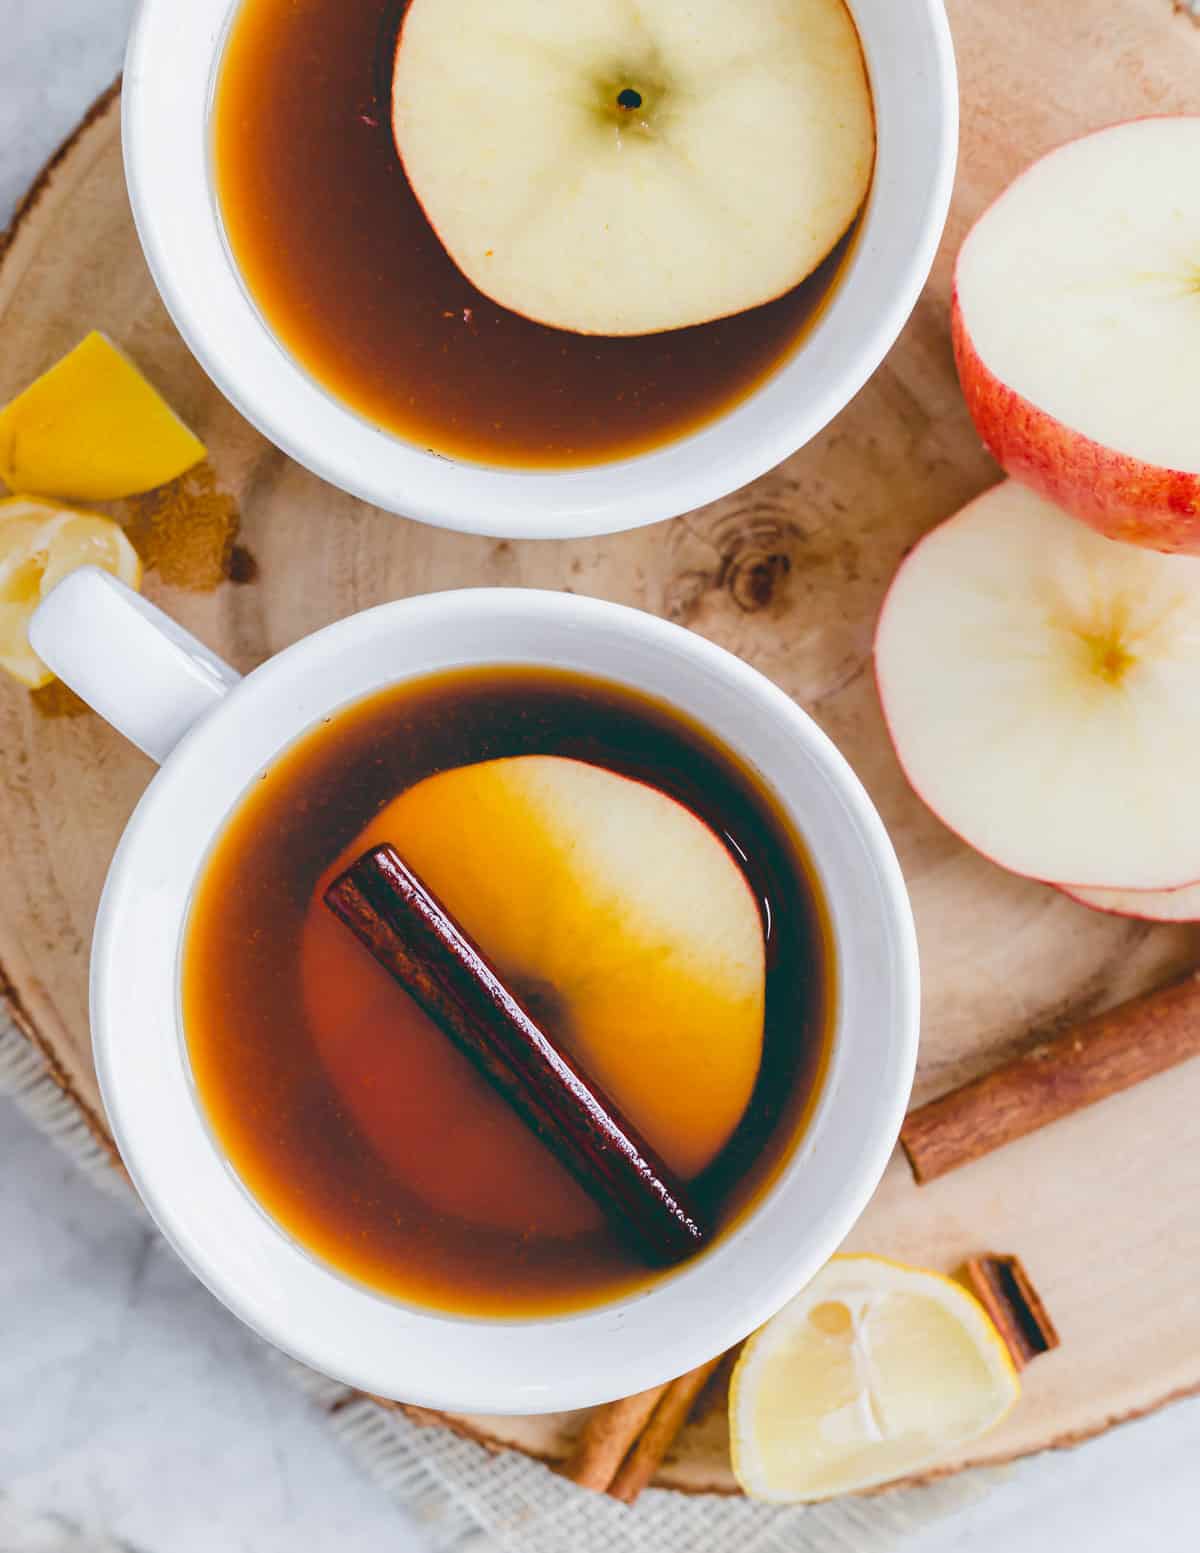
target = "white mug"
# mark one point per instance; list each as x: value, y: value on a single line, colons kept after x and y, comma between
x: 170, y: 73
x: 213, y: 734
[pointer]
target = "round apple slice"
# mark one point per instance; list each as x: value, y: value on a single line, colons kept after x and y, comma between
x: 623, y: 169
x: 1076, y: 323
x: 1041, y: 687
x: 1182, y: 905
x: 620, y: 919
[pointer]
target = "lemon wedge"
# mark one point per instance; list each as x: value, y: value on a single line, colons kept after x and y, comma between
x: 874, y: 1372
x: 93, y: 429
x: 39, y: 544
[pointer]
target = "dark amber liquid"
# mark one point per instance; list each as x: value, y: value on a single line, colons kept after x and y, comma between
x: 351, y: 277
x: 291, y: 1132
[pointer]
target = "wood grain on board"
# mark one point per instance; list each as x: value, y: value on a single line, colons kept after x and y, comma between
x: 789, y: 573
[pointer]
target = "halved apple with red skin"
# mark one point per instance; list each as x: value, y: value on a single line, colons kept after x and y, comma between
x: 1040, y: 684
x: 1182, y: 905
x: 1076, y: 325
x: 620, y: 919
x: 617, y: 168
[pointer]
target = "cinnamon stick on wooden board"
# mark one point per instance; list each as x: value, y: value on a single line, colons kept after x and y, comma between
x: 1006, y: 1292
x: 1086, y: 1063
x: 624, y: 1443
x: 656, y: 1439
x: 412, y: 936
x: 607, y: 1438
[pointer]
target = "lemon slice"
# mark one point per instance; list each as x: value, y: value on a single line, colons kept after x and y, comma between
x: 39, y: 544
x: 874, y: 1372
x: 93, y: 429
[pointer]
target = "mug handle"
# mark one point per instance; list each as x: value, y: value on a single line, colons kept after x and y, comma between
x: 134, y: 665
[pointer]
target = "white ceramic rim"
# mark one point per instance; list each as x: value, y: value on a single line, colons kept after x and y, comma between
x: 342, y: 1328
x: 170, y: 71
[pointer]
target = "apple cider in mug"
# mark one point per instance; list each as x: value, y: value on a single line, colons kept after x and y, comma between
x: 541, y: 236
x: 626, y: 878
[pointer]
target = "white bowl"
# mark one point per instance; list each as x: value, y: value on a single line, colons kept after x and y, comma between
x: 214, y: 735
x: 170, y: 74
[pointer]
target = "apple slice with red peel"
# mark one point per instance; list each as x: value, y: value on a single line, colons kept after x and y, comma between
x: 621, y: 168
x: 1076, y: 321
x: 1041, y: 685
x: 1182, y: 905
x: 621, y: 919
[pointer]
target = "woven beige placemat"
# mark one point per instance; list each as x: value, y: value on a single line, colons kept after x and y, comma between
x: 469, y: 1499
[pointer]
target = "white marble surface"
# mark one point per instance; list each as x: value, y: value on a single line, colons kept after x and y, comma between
x: 133, y: 1406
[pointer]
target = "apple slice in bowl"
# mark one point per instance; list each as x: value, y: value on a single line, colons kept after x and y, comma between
x: 1041, y: 685
x: 622, y: 169
x: 593, y: 894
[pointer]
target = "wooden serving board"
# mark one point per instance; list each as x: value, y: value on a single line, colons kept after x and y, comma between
x: 789, y: 573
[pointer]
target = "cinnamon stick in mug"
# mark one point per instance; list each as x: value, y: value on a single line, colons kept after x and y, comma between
x: 412, y: 936
x: 1086, y: 1063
